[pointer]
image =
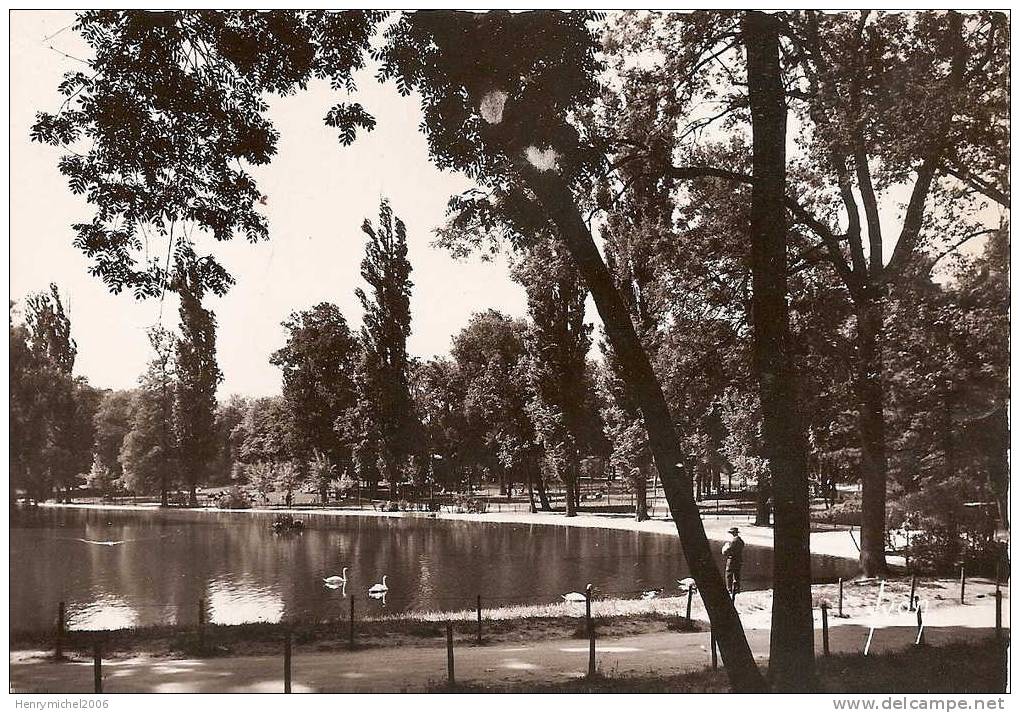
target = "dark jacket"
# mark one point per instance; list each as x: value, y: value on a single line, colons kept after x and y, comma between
x: 733, y: 551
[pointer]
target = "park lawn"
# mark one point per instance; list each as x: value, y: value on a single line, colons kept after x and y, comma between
x: 952, y: 669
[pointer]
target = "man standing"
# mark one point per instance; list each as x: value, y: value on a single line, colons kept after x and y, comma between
x: 733, y: 551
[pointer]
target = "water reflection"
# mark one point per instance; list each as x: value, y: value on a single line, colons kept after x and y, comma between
x: 242, y: 601
x: 167, y: 561
x: 104, y: 612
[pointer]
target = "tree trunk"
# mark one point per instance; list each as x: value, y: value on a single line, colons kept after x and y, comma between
x: 641, y: 495
x: 531, y: 492
x: 871, y: 428
x: 543, y: 497
x: 193, y: 496
x: 763, y: 506
x: 791, y: 648
x: 570, y: 480
x: 555, y: 198
x: 998, y: 462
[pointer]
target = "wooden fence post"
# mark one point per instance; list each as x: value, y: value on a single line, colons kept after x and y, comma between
x: 61, y: 614
x: 998, y: 613
x: 825, y: 628
x: 913, y: 590
x: 286, y: 661
x: 963, y: 582
x: 715, y: 654
x: 350, y: 626
x: 919, y: 641
x: 201, y: 624
x: 97, y: 665
x: 479, y: 610
x: 451, y: 679
x: 690, y: 595
x: 591, y: 631
x: 839, y: 612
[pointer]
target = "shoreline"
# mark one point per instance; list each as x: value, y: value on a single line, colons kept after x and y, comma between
x: 837, y: 544
x: 865, y: 604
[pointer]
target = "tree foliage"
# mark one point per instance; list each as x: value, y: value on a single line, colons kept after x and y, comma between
x: 386, y: 327
x: 161, y: 128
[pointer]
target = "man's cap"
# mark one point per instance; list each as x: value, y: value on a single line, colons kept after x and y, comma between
x: 733, y: 530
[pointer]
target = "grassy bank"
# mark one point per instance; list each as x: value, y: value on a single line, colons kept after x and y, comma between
x: 958, y: 668
x: 502, y: 624
x: 260, y: 639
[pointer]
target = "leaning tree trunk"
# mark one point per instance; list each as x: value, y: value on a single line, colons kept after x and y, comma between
x: 556, y: 200
x: 871, y: 429
x: 791, y: 649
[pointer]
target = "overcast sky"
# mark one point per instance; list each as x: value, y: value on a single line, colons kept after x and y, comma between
x: 319, y: 192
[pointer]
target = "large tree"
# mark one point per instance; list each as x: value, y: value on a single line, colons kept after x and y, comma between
x: 558, y: 342
x: 149, y: 454
x: 791, y: 646
x: 319, y: 362
x: 909, y: 102
x: 50, y: 328
x: 51, y: 411
x: 197, y: 376
x: 113, y: 422
x: 497, y: 90
x: 386, y: 327
x: 162, y: 126
x: 499, y: 433
x: 894, y: 106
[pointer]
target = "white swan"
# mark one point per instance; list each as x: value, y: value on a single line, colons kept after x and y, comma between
x: 574, y: 597
x: 687, y: 584
x: 378, y: 588
x: 336, y: 580
x: 650, y: 594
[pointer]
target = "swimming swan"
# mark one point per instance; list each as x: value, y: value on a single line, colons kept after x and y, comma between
x: 376, y: 588
x: 336, y: 580
x: 574, y: 597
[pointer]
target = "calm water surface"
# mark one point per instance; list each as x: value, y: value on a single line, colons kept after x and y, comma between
x: 165, y: 561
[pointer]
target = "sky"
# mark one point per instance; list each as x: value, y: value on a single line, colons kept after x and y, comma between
x: 319, y: 193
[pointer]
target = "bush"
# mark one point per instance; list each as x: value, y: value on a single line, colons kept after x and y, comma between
x: 463, y: 504
x: 847, y: 512
x: 946, y: 533
x: 233, y: 499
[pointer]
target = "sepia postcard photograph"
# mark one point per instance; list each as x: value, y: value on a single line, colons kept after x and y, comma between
x: 497, y: 351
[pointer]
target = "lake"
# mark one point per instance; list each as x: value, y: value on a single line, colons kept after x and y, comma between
x: 166, y: 560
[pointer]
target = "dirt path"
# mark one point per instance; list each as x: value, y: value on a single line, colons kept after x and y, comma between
x: 389, y: 670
